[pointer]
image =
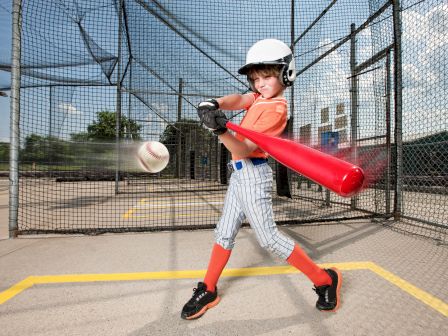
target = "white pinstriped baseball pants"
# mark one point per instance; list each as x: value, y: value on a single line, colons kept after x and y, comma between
x: 250, y: 196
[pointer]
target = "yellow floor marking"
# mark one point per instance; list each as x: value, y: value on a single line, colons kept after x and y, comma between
x: 142, y: 204
x: 404, y: 285
x: 159, y: 215
x: 409, y: 288
x: 131, y: 211
x: 177, y: 205
x: 169, y: 199
x: 16, y: 289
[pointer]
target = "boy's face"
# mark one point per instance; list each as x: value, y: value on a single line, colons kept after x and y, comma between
x: 268, y: 85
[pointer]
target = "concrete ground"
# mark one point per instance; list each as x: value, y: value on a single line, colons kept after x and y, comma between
x: 4, y: 201
x: 136, y: 284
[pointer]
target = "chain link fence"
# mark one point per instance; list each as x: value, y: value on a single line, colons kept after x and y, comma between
x: 98, y: 78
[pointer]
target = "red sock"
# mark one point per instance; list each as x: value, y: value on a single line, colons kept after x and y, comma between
x: 300, y: 260
x: 218, y: 261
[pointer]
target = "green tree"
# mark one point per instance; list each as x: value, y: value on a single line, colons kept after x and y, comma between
x: 190, y: 136
x: 45, y: 149
x: 4, y: 151
x: 34, y: 149
x: 103, y: 128
x: 187, y: 128
x: 79, y: 137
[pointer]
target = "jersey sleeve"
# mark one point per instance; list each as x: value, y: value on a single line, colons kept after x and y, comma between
x: 272, y: 122
x: 254, y: 98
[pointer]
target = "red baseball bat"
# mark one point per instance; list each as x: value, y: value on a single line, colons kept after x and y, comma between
x: 342, y: 177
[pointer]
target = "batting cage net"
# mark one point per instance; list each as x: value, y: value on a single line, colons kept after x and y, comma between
x: 98, y: 78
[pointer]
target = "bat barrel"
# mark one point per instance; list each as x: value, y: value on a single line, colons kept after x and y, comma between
x: 342, y: 177
x: 352, y: 182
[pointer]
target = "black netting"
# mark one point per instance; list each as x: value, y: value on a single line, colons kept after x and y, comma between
x: 164, y: 57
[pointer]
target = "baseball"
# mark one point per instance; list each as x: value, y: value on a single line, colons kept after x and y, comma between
x: 153, y: 156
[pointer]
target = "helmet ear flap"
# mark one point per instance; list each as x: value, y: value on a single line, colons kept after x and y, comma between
x: 283, y: 76
x: 288, y: 73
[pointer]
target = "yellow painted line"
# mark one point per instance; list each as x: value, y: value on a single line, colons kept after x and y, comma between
x: 128, y: 213
x: 177, y: 199
x: 159, y: 215
x: 177, y: 205
x: 74, y: 278
x: 16, y: 289
x: 409, y: 288
x: 142, y: 204
x: 404, y: 285
x: 132, y: 210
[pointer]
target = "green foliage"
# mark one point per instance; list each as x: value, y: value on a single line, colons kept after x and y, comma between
x: 185, y: 128
x: 184, y: 136
x: 42, y: 149
x: 79, y: 137
x: 103, y: 129
x: 4, y: 151
x: 84, y: 149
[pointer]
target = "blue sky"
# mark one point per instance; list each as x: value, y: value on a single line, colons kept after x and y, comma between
x: 5, y: 50
x: 424, y: 48
x: 224, y: 25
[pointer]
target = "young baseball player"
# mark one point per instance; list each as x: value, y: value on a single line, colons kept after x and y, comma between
x: 270, y: 68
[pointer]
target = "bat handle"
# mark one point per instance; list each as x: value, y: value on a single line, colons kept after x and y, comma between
x: 221, y: 121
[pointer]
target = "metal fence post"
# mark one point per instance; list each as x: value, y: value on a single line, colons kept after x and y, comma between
x: 354, y: 102
x: 15, y: 119
x: 118, y: 107
x: 398, y: 112
x: 388, y: 132
x: 179, y: 132
x: 290, y: 131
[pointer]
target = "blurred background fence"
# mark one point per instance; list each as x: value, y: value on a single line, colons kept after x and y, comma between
x: 98, y: 78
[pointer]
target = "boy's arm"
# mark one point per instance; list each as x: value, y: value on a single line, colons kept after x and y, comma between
x: 235, y: 101
x: 271, y: 123
x: 239, y: 148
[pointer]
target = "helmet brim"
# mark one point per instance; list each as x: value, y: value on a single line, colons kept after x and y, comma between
x: 245, y: 69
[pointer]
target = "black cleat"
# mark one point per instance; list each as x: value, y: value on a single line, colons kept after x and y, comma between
x: 200, y: 302
x: 329, y: 294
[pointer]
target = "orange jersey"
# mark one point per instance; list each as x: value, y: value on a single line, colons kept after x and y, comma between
x: 268, y: 116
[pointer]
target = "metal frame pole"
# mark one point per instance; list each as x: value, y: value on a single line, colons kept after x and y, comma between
x: 15, y: 119
x: 292, y: 49
x: 118, y: 107
x: 388, y: 131
x: 178, y: 132
x: 398, y: 110
x: 354, y: 102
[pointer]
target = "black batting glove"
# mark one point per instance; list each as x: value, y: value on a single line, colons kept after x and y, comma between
x: 215, y: 121
x: 212, y: 118
x: 209, y: 105
x: 221, y: 121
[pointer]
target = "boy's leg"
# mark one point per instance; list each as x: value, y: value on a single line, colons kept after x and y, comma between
x: 205, y: 296
x: 300, y: 260
x: 225, y: 233
x: 218, y: 260
x: 256, y: 201
x: 259, y: 211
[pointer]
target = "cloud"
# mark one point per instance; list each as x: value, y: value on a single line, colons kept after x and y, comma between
x: 425, y: 45
x: 365, y: 47
x: 69, y: 108
x: 425, y: 41
x: 425, y: 56
x: 161, y: 108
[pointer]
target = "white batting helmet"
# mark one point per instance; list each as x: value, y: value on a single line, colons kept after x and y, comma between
x: 272, y: 51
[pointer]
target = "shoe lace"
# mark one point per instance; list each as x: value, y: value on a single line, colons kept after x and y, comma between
x: 197, y: 292
x: 322, y: 292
